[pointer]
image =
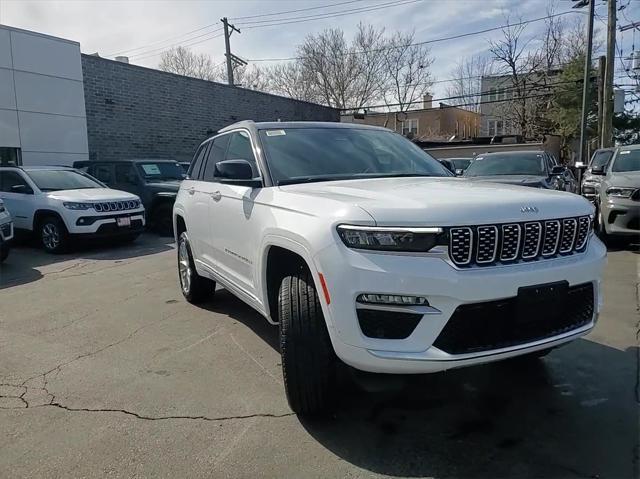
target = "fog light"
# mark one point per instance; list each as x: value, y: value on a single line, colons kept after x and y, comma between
x: 369, y: 298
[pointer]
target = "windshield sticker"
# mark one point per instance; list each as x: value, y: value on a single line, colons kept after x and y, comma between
x: 275, y: 132
x: 151, y: 169
x: 625, y: 152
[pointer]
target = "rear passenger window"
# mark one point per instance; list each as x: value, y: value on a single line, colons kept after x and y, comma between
x: 216, y: 154
x: 125, y: 173
x: 194, y: 168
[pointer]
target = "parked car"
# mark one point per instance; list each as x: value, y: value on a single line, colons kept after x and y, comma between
x: 591, y: 182
x: 156, y: 182
x: 537, y: 169
x: 366, y: 251
x: 58, y: 204
x: 457, y: 166
x: 618, y: 197
x: 6, y: 232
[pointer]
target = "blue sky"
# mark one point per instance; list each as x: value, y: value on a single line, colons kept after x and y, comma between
x: 109, y: 27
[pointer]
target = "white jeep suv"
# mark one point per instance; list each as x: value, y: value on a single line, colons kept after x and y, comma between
x: 364, y: 249
x: 59, y: 203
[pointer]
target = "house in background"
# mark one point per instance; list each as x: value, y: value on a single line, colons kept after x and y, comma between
x: 427, y: 123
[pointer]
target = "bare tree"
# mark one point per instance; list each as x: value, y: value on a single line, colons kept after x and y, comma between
x: 406, y: 71
x: 182, y: 61
x: 342, y: 74
x: 520, y: 66
x: 465, y: 88
x: 292, y: 80
x: 251, y: 77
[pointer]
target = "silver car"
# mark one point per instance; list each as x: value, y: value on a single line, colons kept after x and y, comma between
x: 618, y: 198
x: 591, y: 182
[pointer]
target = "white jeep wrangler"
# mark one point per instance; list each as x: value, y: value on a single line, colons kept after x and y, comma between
x: 364, y: 249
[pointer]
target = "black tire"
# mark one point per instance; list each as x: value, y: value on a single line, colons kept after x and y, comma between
x: 53, y: 235
x: 196, y: 289
x: 308, y: 359
x: 162, y: 219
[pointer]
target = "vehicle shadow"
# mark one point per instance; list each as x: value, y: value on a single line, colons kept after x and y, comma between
x: 26, y: 258
x: 572, y: 414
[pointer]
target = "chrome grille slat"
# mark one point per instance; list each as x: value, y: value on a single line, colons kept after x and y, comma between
x: 532, y: 239
x: 460, y: 245
x: 510, y: 242
x: 569, y: 230
x: 105, y: 206
x: 551, y: 237
x: 485, y: 245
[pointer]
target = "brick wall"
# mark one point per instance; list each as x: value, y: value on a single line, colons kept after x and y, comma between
x: 136, y: 112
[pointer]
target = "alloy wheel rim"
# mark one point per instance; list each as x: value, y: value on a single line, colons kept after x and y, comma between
x: 184, y: 267
x: 50, y: 236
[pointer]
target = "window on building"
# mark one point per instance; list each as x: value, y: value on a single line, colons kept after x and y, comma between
x: 493, y: 94
x: 410, y: 127
x: 496, y: 127
x: 10, y: 156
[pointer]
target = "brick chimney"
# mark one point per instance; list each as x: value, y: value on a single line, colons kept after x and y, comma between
x: 427, y: 101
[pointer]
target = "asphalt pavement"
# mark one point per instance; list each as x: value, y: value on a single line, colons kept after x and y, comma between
x: 106, y: 370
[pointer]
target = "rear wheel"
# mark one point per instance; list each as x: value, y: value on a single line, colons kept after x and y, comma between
x: 53, y: 235
x: 308, y: 359
x: 195, y: 288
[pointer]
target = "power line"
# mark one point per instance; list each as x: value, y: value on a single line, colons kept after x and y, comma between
x: 318, y: 16
x: 294, y: 11
x: 159, y: 51
x: 435, y: 40
x: 479, y: 94
x: 363, y: 9
x: 169, y: 39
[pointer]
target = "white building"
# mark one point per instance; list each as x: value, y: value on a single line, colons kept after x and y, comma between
x: 42, y: 110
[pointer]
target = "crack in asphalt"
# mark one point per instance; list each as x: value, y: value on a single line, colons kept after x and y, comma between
x: 52, y: 402
x: 163, y: 418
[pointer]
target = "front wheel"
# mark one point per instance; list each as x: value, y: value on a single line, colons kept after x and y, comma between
x: 195, y: 288
x: 308, y: 359
x: 53, y: 235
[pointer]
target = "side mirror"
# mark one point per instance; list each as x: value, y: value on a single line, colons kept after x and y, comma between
x: 24, y: 189
x: 558, y: 170
x: 597, y: 170
x: 459, y: 172
x: 237, y: 172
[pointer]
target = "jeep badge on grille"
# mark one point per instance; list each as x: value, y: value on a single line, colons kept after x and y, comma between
x: 529, y: 209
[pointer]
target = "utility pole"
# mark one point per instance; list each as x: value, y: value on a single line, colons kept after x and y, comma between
x: 607, y: 117
x: 586, y: 82
x: 602, y: 62
x: 227, y: 45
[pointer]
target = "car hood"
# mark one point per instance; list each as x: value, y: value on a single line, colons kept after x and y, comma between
x: 439, y: 201
x: 628, y: 179
x: 522, y: 180
x: 91, y: 194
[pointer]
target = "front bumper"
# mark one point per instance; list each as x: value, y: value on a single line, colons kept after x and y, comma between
x: 621, y: 216
x: 85, y: 223
x: 349, y: 273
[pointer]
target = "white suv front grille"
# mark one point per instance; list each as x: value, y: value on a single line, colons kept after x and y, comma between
x: 508, y: 243
x: 116, y: 206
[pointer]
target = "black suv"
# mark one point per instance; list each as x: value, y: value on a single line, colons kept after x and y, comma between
x: 156, y: 182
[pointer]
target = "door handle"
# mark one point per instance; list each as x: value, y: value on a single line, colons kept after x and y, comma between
x: 191, y: 191
x: 216, y: 196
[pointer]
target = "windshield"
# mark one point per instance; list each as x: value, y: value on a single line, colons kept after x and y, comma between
x: 461, y: 164
x: 601, y: 158
x: 297, y: 155
x: 56, y: 180
x: 155, y: 171
x: 505, y: 164
x: 626, y: 160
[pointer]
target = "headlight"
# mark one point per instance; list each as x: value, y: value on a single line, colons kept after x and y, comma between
x: 389, y: 238
x: 620, y: 192
x: 77, y: 206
